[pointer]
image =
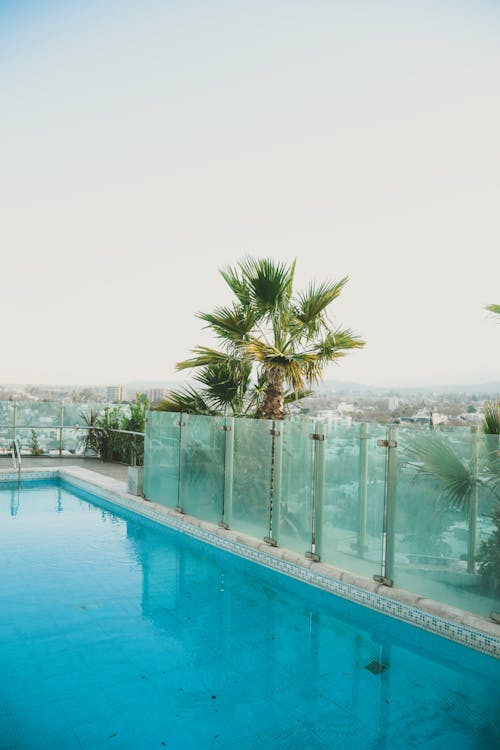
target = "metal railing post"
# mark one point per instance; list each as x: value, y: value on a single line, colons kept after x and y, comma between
x: 318, y: 492
x: 364, y: 436
x: 147, y: 455
x: 278, y: 480
x: 227, y: 479
x: 473, y: 505
x: 181, y: 424
x: 275, y: 483
x: 61, y: 426
x: 388, y: 533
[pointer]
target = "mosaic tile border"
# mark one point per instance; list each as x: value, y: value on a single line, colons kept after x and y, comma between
x: 283, y: 561
x: 29, y: 476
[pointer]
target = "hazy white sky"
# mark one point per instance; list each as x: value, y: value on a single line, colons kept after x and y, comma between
x: 144, y: 145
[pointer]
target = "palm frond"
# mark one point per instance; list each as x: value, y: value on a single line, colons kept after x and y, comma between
x: 291, y: 396
x: 230, y: 324
x: 297, y: 367
x: 336, y: 344
x: 205, y: 357
x: 272, y: 356
x: 270, y: 283
x: 226, y: 384
x: 237, y: 284
x: 188, y: 401
x: 311, y: 305
x: 435, y: 458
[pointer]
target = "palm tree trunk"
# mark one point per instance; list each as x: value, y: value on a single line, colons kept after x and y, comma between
x: 274, y: 402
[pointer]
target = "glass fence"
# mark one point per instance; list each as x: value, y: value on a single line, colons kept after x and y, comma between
x: 417, y: 509
x: 49, y: 428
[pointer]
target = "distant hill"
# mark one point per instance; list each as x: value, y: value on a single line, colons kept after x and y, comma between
x: 488, y: 389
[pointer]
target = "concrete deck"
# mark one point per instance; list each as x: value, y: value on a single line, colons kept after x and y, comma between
x: 108, y: 469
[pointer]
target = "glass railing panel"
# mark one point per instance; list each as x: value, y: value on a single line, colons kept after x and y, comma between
x: 353, y: 514
x: 487, y: 551
x: 162, y: 455
x: 296, y: 485
x: 75, y: 424
x: 6, y: 428
x: 252, y: 463
x: 36, y: 427
x: 73, y: 413
x: 71, y: 441
x: 6, y: 437
x: 202, y: 467
x: 445, y: 518
x: 38, y: 414
x: 39, y: 442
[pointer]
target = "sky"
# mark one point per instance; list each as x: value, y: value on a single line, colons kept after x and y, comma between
x: 146, y: 145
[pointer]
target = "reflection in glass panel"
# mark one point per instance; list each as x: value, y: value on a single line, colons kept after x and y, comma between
x: 38, y: 413
x: 202, y: 467
x: 445, y: 520
x: 354, y: 498
x: 296, y: 485
x: 38, y: 441
x: 161, y: 459
x: 72, y: 414
x: 6, y: 426
x: 252, y: 476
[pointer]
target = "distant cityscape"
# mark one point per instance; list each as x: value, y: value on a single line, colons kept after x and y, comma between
x: 332, y: 401
x: 80, y: 394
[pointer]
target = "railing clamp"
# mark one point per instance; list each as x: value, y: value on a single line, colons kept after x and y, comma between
x: 495, y: 616
x: 270, y: 541
x: 387, y: 443
x: 316, y: 436
x: 312, y: 556
x: 223, y: 525
x: 180, y: 424
x: 226, y: 428
x: 274, y: 433
x: 385, y: 581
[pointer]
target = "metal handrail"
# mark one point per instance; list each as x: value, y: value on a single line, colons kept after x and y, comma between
x: 68, y: 427
x: 15, y: 447
x: 56, y: 425
x: 15, y: 451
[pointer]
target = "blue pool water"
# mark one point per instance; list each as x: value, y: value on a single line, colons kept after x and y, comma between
x: 116, y: 633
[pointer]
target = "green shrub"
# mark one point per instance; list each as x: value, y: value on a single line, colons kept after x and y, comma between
x: 104, y: 437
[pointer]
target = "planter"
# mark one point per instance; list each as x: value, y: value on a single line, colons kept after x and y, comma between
x: 135, y: 480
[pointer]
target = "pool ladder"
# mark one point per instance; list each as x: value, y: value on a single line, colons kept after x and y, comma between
x: 15, y: 450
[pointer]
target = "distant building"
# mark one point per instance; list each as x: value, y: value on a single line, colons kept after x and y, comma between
x: 438, y: 418
x: 114, y: 393
x: 392, y: 403
x: 473, y: 419
x: 155, y: 395
x: 344, y: 407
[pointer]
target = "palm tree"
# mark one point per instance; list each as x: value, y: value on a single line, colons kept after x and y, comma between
x: 274, y: 345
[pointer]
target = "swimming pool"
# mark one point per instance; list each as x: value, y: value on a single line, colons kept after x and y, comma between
x: 119, y: 633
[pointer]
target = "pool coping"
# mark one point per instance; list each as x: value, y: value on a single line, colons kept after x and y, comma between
x: 455, y: 624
